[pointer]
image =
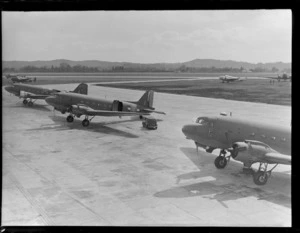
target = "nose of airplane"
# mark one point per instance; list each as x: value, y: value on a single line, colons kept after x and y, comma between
x: 9, y: 89
x: 188, y: 130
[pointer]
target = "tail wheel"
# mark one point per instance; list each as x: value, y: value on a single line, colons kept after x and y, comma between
x: 220, y: 162
x: 85, y: 122
x: 25, y: 101
x: 70, y: 118
x: 260, y: 178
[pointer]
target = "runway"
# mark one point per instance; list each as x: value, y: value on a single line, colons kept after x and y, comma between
x: 116, y: 173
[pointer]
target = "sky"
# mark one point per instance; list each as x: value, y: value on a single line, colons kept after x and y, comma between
x: 148, y: 36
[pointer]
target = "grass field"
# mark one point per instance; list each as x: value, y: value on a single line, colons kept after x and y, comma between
x: 251, y: 90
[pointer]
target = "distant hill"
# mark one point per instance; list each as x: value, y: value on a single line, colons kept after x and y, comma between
x: 199, y: 63
x: 105, y: 65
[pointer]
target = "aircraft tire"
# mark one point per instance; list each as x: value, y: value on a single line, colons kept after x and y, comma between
x: 260, y: 178
x: 220, y: 162
x: 70, y: 118
x: 25, y: 101
x: 141, y: 117
x: 30, y: 104
x: 85, y: 122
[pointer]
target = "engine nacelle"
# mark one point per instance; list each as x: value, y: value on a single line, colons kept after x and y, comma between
x: 79, y: 110
x: 249, y: 151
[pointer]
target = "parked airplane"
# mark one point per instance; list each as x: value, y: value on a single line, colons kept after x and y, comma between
x: 19, y: 79
x: 283, y: 77
x: 31, y: 92
x: 78, y: 105
x: 248, y: 142
x: 228, y: 78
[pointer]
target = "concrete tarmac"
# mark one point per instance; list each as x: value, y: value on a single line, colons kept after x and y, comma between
x: 115, y: 172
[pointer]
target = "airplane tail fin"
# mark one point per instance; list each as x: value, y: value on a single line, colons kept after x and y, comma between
x: 81, y: 89
x: 146, y: 100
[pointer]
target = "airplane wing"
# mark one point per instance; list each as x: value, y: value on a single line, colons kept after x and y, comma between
x: 259, y: 152
x: 278, y: 158
x: 85, y: 110
x: 35, y: 96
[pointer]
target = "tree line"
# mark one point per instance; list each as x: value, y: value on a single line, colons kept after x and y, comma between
x: 64, y: 67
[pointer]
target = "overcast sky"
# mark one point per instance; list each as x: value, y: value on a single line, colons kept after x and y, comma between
x: 148, y: 36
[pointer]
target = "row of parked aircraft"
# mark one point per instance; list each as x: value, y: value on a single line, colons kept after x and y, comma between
x: 228, y: 78
x: 243, y: 140
x: 224, y: 78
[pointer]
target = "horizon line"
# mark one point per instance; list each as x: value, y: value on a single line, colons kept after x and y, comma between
x: 144, y: 63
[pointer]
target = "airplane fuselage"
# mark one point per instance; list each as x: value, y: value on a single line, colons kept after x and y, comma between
x: 222, y: 132
x: 17, y: 88
x: 63, y: 101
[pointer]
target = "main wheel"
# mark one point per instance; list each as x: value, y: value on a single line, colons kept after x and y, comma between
x: 30, y: 104
x: 85, y: 122
x: 70, y: 118
x: 260, y: 178
x: 25, y: 101
x: 141, y: 117
x: 220, y: 162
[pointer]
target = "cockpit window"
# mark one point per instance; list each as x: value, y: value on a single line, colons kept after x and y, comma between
x: 202, y: 121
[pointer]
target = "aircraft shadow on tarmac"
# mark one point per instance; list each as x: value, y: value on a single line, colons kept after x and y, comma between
x: 61, y: 124
x: 241, y: 186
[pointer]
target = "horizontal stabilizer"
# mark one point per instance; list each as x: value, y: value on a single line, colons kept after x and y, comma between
x: 153, y: 111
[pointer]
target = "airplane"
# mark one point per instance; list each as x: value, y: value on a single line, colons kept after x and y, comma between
x: 283, y: 77
x: 19, y: 79
x: 247, y: 141
x: 78, y: 105
x: 36, y: 92
x: 228, y: 78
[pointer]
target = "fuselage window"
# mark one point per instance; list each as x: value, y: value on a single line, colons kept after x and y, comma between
x: 202, y: 121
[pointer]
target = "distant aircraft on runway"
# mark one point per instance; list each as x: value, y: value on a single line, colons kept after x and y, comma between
x: 78, y: 105
x: 283, y: 77
x: 248, y: 142
x: 35, y: 92
x: 19, y: 79
x: 228, y: 78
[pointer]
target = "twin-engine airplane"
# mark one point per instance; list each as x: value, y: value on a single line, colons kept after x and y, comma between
x: 33, y: 92
x: 228, y: 78
x: 248, y: 142
x: 78, y: 105
x: 19, y: 79
x: 283, y: 77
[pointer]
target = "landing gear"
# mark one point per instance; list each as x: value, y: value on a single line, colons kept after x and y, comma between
x: 141, y: 117
x: 30, y: 104
x: 70, y: 118
x: 262, y: 175
x: 260, y: 178
x: 25, y: 101
x: 221, y: 161
x: 85, y: 122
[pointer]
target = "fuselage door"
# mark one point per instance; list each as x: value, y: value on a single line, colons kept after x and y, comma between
x: 210, y: 129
